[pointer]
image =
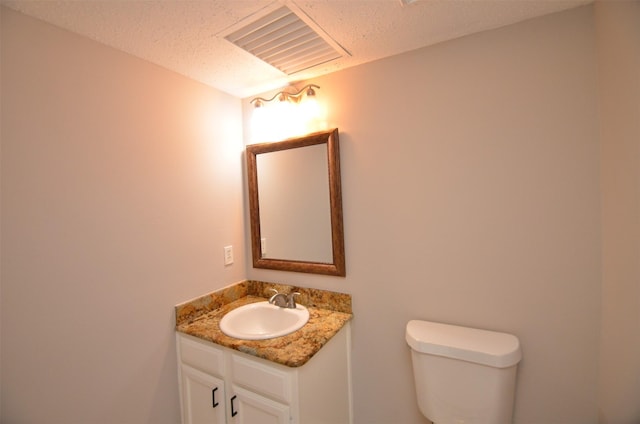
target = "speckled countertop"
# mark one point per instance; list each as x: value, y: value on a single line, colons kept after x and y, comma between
x: 328, y: 313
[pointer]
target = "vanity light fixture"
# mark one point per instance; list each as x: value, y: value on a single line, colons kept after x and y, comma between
x: 287, y: 114
x: 307, y: 90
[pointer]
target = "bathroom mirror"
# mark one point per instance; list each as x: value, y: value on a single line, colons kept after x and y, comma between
x: 295, y: 204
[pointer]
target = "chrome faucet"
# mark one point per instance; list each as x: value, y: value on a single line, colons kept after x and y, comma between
x: 279, y: 299
x: 282, y: 300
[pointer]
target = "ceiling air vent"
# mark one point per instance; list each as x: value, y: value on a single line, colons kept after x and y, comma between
x: 284, y: 40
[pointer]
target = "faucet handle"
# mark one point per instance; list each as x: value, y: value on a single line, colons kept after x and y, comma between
x: 272, y: 298
x: 291, y: 301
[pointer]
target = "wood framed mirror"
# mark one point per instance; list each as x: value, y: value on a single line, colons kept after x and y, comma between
x: 295, y: 204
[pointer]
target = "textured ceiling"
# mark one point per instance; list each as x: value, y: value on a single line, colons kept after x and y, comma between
x: 187, y: 36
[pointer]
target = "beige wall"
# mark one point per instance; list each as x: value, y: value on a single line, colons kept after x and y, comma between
x: 618, y: 29
x: 470, y: 175
x: 121, y: 183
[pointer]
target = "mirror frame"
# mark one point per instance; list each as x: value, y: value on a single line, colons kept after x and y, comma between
x: 337, y: 267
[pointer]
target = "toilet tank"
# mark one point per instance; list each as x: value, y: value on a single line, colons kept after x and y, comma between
x: 463, y: 375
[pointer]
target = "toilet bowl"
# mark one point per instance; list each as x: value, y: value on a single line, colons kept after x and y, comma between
x: 463, y: 375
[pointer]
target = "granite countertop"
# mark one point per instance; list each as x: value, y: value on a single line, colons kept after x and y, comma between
x: 328, y: 313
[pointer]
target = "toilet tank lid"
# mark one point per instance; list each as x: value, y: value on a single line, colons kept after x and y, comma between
x: 499, y: 350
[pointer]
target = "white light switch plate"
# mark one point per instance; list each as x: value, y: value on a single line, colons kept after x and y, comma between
x: 228, y: 255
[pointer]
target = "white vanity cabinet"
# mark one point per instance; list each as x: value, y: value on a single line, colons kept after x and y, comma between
x: 222, y: 385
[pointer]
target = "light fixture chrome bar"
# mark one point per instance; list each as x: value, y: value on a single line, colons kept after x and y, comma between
x: 307, y: 90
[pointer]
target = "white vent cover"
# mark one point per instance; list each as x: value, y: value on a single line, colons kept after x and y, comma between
x: 284, y: 40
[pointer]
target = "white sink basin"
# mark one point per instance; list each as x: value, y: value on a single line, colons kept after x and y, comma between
x: 261, y: 320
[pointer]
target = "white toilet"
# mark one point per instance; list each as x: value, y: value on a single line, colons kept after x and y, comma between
x: 463, y: 375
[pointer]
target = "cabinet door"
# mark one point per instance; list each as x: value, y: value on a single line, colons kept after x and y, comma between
x: 203, y: 397
x: 249, y: 408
